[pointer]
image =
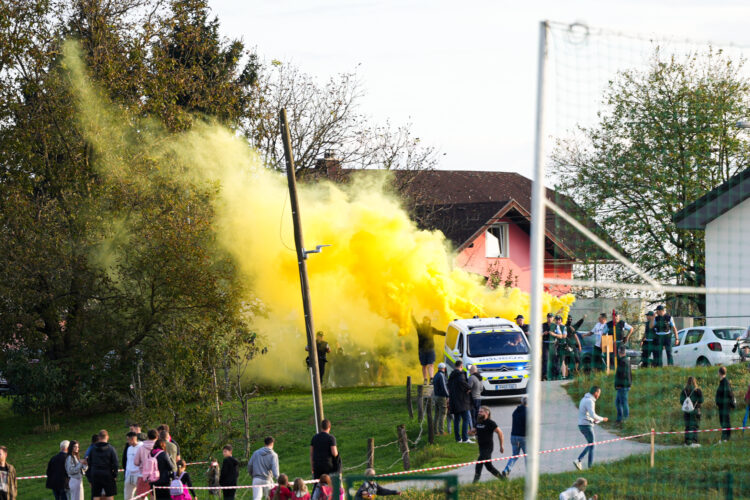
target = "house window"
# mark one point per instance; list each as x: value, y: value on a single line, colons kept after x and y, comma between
x: 496, y: 241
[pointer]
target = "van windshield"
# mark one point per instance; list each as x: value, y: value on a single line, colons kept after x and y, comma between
x: 496, y: 343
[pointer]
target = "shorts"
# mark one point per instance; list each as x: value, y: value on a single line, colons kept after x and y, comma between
x: 426, y: 357
x: 103, y: 487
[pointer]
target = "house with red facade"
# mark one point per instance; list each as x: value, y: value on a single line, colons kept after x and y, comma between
x: 486, y: 217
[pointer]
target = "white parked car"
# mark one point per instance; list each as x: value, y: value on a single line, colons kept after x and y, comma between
x: 706, y: 346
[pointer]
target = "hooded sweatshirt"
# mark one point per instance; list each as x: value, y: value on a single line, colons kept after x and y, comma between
x: 264, y: 464
x: 587, y: 411
x: 142, y: 454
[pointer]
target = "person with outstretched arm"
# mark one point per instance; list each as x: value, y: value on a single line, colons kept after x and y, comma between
x: 426, y: 346
x: 370, y: 488
x: 587, y: 419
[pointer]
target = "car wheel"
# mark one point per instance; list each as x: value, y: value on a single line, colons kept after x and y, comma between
x: 703, y: 362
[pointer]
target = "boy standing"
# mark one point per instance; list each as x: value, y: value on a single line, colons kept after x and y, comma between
x: 230, y: 472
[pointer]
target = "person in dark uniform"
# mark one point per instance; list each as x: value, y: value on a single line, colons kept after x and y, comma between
x: 559, y: 333
x: 323, y: 349
x: 664, y: 328
x: 547, y: 342
x: 485, y: 431
x: 521, y: 324
x: 573, y: 346
x: 426, y: 346
x: 649, y: 341
x: 622, y: 330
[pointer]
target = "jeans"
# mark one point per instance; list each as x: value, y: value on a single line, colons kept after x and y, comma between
x: 663, y: 341
x: 441, y: 408
x: 519, y: 444
x: 588, y: 433
x: 621, y: 403
x: 475, y: 410
x: 466, y: 417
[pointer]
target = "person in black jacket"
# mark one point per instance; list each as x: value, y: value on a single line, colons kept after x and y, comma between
x: 692, y: 418
x: 623, y: 381
x: 102, y: 472
x: 57, y: 478
x: 230, y: 472
x: 517, y: 435
x: 166, y: 469
x: 371, y: 489
x: 440, y: 396
x: 460, y: 402
x: 724, y: 403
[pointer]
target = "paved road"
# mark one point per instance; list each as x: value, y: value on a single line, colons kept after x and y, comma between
x: 559, y: 429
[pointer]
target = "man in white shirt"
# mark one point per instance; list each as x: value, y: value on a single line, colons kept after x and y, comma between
x: 132, y: 471
x: 587, y: 419
x: 598, y: 330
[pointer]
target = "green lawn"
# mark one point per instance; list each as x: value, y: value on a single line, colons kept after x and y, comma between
x: 356, y: 413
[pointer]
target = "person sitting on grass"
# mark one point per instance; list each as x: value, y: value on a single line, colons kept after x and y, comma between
x: 577, y: 491
x: 281, y: 491
x: 299, y: 490
x: 370, y: 488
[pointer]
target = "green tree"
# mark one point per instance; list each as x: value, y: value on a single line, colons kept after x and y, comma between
x: 666, y: 136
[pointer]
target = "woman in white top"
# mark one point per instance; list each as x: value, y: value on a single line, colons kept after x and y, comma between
x: 75, y: 468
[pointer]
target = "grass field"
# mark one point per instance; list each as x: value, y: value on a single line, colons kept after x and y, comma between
x: 356, y: 413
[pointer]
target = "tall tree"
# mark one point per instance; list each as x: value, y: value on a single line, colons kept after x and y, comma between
x: 666, y: 136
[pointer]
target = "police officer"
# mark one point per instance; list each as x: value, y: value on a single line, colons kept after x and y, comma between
x: 664, y: 328
x: 559, y: 332
x: 649, y: 339
x: 573, y: 346
x: 523, y: 326
x: 622, y: 330
x: 547, y: 342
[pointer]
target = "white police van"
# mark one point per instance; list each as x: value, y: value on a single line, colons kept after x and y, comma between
x: 498, y: 348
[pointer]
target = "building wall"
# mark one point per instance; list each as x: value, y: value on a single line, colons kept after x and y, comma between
x: 518, y: 262
x: 727, y: 265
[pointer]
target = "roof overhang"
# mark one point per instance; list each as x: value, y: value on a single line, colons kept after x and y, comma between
x: 715, y: 203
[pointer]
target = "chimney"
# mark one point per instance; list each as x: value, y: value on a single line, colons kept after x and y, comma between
x: 329, y: 163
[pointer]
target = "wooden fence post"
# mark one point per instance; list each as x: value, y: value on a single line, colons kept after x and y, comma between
x: 653, y: 447
x: 408, y: 397
x: 430, y: 424
x: 403, y: 445
x: 420, y: 403
x: 370, y: 453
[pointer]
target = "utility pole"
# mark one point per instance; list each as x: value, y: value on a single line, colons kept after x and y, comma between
x: 302, y: 263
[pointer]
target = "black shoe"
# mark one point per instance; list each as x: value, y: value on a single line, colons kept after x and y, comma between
x: 503, y: 476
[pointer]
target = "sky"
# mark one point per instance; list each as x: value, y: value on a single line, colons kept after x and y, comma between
x: 464, y: 74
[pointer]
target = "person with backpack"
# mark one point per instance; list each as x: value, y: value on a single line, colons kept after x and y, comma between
x: 324, y: 489
x: 161, y: 478
x: 103, y: 465
x: 691, y: 400
x: 725, y: 402
x: 142, y: 460
x: 281, y: 491
x: 181, y: 487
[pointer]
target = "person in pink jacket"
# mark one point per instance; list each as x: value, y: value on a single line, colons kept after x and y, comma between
x: 140, y: 461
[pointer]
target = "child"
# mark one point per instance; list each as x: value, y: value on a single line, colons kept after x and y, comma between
x: 212, y: 476
x: 281, y: 491
x: 299, y: 490
x: 324, y: 491
x: 187, y: 489
x: 230, y: 472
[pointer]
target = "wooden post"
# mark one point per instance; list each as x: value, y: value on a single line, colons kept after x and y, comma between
x: 370, y: 453
x: 408, y: 397
x: 403, y: 445
x: 420, y: 403
x: 653, y: 447
x: 430, y: 423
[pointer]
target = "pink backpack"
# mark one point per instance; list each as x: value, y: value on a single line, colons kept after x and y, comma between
x: 151, y: 468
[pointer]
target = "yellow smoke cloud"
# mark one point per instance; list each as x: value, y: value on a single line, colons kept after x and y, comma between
x: 379, y: 269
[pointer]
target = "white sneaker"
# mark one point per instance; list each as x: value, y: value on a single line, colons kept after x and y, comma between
x: 578, y: 464
x: 469, y: 441
x: 695, y: 445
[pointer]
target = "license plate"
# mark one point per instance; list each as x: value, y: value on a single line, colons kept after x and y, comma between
x: 506, y: 386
